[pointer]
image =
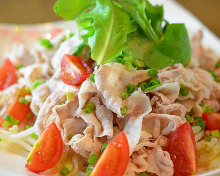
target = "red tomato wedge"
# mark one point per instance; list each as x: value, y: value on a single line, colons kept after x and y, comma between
x: 17, y: 110
x: 47, y: 151
x: 212, y: 120
x: 55, y: 32
x: 183, y: 152
x: 114, y: 159
x: 7, y: 74
x: 74, y: 70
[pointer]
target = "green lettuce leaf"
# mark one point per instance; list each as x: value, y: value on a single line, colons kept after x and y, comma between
x: 70, y: 9
x: 111, y: 25
x: 173, y: 48
x: 137, y: 9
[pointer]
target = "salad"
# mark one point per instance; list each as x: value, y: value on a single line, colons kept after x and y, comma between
x: 128, y: 94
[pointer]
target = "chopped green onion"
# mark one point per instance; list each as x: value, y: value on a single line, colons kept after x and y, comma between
x: 27, y: 127
x: 143, y: 174
x: 139, y: 63
x: 20, y: 92
x: 64, y: 171
x: 124, y: 110
x: 78, y: 49
x: 70, y: 136
x: 208, y: 138
x: 14, y: 122
x: 183, y: 90
x: 120, y: 61
x: 198, y: 118
x: 154, y: 81
x: 6, y: 124
x: 8, y: 117
x: 92, y: 77
x: 215, y: 133
x: 27, y: 89
x: 143, y: 85
x: 0, y: 139
x: 19, y: 66
x: 89, y: 108
x: 69, y: 95
x: 69, y: 35
x: 188, y: 118
x: 124, y: 95
x: 34, y: 136
x: 217, y: 65
x: 45, y: 43
x: 93, y: 158
x: 69, y: 165
x: 130, y: 67
x: 89, y: 169
x: 131, y: 88
x: 35, y: 84
x: 103, y: 147
x: 216, y: 78
x: 44, y: 99
x: 152, y: 72
x: 207, y: 109
x: 62, y: 103
x: 201, y: 124
x: 152, y: 87
x: 23, y: 101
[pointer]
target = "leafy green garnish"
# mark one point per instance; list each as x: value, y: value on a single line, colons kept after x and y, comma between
x: 116, y: 29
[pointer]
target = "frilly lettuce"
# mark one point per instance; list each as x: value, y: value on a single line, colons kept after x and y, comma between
x: 134, y: 28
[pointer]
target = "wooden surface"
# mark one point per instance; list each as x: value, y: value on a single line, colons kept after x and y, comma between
x: 36, y: 11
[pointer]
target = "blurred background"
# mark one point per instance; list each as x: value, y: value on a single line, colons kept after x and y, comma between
x: 14, y: 11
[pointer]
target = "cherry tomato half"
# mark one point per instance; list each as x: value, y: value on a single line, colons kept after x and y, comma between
x: 74, y: 70
x: 183, y: 152
x: 212, y: 120
x: 114, y: 159
x: 18, y: 110
x: 47, y: 151
x: 7, y: 74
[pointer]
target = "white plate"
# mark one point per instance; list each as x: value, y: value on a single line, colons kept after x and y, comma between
x: 12, y: 164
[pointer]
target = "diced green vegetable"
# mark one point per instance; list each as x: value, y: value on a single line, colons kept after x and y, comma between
x: 8, y: 117
x: 6, y: 124
x: 70, y: 136
x: 152, y: 87
x: 188, y: 118
x: 124, y: 110
x: 154, y: 82
x: 208, y: 138
x: 89, y: 108
x: 103, y: 147
x: 131, y: 88
x: 19, y: 66
x: 34, y: 136
x: 89, y: 169
x: 215, y: 133
x: 124, y: 95
x: 23, y: 101
x: 152, y: 72
x: 69, y: 95
x: 92, y: 77
x: 45, y: 43
x: 64, y: 171
x: 14, y: 122
x: 144, y: 86
x: 183, y: 90
x: 93, y: 158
